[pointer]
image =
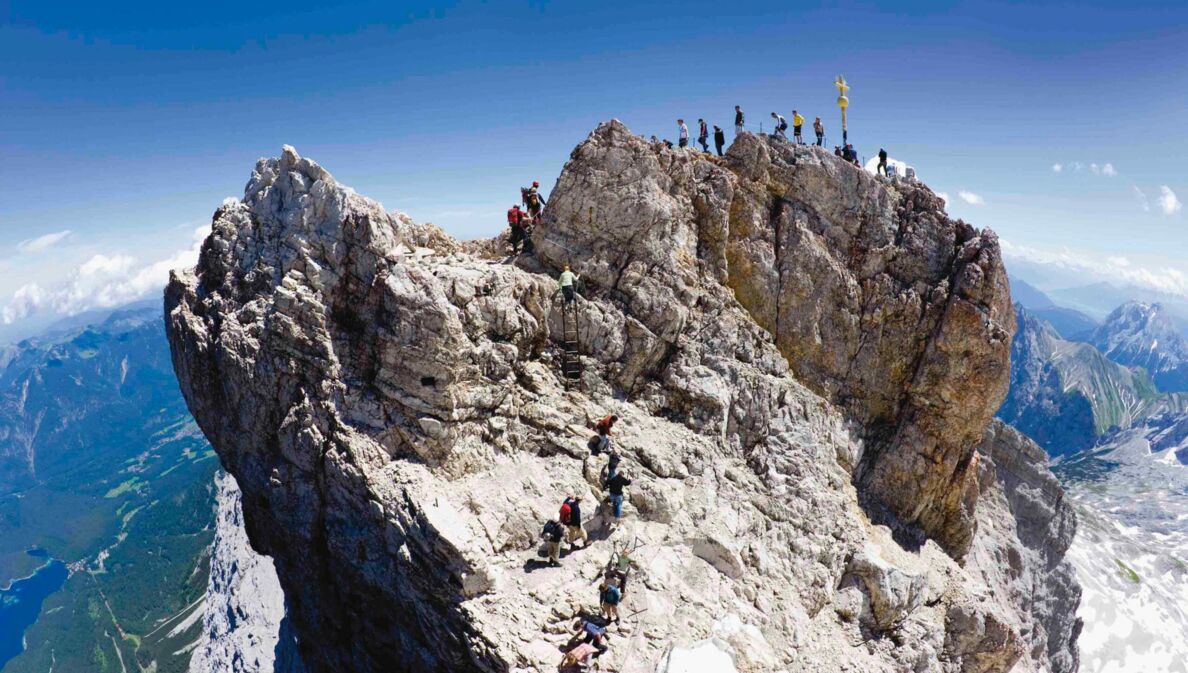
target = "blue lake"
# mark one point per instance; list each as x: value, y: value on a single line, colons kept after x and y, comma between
x: 20, y: 604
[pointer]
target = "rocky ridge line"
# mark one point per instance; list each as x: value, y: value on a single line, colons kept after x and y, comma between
x: 398, y: 426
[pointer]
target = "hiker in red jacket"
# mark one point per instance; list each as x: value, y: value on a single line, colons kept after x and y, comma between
x: 515, y: 220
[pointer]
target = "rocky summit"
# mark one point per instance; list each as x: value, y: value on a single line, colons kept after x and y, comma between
x: 804, y: 359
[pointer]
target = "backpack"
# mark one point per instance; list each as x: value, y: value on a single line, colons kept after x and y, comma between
x: 595, y: 445
x: 566, y: 510
x: 550, y: 529
x: 611, y: 595
x: 783, y: 124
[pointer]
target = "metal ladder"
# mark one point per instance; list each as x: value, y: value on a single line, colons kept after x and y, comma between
x: 571, y: 364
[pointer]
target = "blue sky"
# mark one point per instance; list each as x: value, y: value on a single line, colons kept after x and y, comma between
x: 125, y: 124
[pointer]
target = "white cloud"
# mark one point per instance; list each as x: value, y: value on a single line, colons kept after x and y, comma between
x: 1095, y: 169
x: 1168, y: 201
x: 1076, y: 166
x: 1120, y: 270
x: 103, y: 281
x: 971, y: 198
x: 1056, y: 168
x: 43, y: 243
x: 1108, y: 170
x: 944, y: 197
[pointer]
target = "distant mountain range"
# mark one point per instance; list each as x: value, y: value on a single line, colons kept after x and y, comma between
x: 1139, y: 334
x: 1066, y: 395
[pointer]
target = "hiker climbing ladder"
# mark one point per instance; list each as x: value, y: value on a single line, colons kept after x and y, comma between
x: 571, y: 365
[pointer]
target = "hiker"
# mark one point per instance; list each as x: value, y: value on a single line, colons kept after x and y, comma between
x: 533, y: 201
x: 515, y: 220
x: 780, y: 126
x: 739, y: 120
x: 719, y: 138
x: 604, y: 424
x: 609, y: 597
x: 609, y: 470
x: 571, y: 516
x: 819, y: 129
x: 682, y: 133
x: 579, y: 656
x: 837, y: 151
x: 595, y: 634
x: 850, y: 154
x: 882, y: 162
x: 797, y: 123
x: 702, y: 135
x: 567, y: 280
x: 552, y: 533
x: 615, y: 485
x: 619, y: 569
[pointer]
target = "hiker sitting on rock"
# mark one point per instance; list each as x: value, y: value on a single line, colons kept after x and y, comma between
x: 579, y: 656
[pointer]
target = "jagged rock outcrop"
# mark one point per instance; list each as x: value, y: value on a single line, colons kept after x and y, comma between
x: 244, y: 629
x: 400, y: 429
x: 876, y: 298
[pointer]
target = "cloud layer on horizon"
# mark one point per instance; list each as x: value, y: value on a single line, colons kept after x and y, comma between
x: 103, y: 281
x: 1116, y: 269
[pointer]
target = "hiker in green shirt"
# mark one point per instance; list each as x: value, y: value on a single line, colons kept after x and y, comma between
x: 567, y: 279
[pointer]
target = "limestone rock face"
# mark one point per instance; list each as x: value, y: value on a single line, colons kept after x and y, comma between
x: 391, y: 404
x: 878, y: 300
x: 244, y: 625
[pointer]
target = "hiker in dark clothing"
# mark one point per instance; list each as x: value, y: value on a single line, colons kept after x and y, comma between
x: 552, y: 533
x: 882, y: 162
x: 739, y: 120
x: 533, y: 200
x: 719, y: 139
x: 702, y: 135
x: 595, y: 634
x: 574, y: 530
x: 615, y: 485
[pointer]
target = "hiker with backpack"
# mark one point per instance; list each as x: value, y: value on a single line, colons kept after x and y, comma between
x: 552, y: 533
x: 518, y: 235
x: 610, y: 469
x: 609, y: 597
x: 703, y: 135
x: 797, y: 123
x: 719, y: 138
x: 571, y: 517
x: 533, y: 200
x: 780, y: 126
x: 882, y: 162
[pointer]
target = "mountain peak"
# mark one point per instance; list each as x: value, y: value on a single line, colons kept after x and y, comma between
x: 1142, y: 334
x: 804, y: 359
